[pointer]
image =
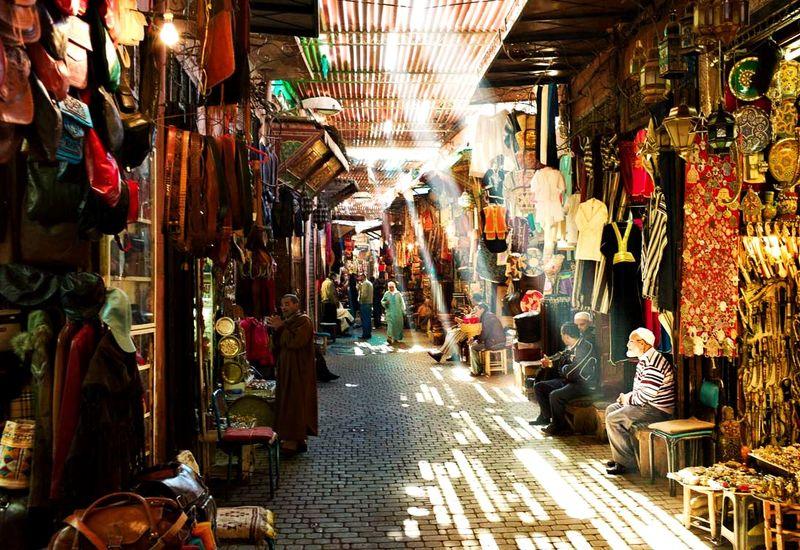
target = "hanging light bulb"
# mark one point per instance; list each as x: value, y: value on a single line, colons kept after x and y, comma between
x: 169, y: 33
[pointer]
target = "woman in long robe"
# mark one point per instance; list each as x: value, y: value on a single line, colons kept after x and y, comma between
x: 394, y: 306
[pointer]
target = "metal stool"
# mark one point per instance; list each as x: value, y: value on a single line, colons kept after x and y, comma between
x: 495, y: 360
x: 674, y: 432
x: 329, y: 328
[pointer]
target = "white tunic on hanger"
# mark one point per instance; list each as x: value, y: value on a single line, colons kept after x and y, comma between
x: 548, y: 186
x: 590, y: 219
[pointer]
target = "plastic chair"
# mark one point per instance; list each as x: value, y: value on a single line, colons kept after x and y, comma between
x: 231, y: 441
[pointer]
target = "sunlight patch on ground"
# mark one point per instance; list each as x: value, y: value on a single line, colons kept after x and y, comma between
x: 506, y: 427
x: 559, y: 455
x: 475, y: 428
x: 485, y: 394
x: 555, y: 485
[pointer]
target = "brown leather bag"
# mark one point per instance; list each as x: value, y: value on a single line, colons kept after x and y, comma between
x: 218, y: 61
x: 78, y: 48
x: 126, y: 521
x: 16, y: 98
x: 19, y: 22
x: 53, y: 73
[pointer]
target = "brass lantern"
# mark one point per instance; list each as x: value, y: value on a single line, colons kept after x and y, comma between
x: 651, y: 85
x: 671, y: 63
x: 680, y: 126
x: 721, y: 130
x: 704, y: 31
x: 637, y: 61
x: 688, y: 44
x: 729, y: 17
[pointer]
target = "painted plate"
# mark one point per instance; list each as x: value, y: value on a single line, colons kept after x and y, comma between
x: 740, y: 79
x: 753, y: 126
x: 784, y: 119
x: 783, y: 160
x: 230, y: 346
x: 785, y: 82
x: 232, y: 372
x: 225, y: 326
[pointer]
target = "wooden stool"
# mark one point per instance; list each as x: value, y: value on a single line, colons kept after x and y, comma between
x: 495, y: 360
x: 775, y: 534
x: 709, y: 523
x: 581, y: 416
x: 674, y: 432
x: 736, y: 529
x: 600, y: 410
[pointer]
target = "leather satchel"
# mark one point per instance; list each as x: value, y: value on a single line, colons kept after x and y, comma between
x: 16, y: 98
x: 106, y: 119
x: 50, y: 199
x: 106, y: 67
x: 182, y: 484
x: 53, y: 73
x: 19, y: 22
x: 76, y: 119
x: 218, y: 60
x: 53, y: 38
x: 46, y: 123
x: 125, y: 521
x: 78, y: 48
x: 102, y: 169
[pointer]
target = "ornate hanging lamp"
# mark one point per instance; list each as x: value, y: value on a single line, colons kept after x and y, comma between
x: 680, y: 126
x: 306, y: 206
x: 637, y: 61
x: 688, y: 43
x: 651, y: 85
x: 671, y: 63
x: 729, y: 18
x: 720, y: 127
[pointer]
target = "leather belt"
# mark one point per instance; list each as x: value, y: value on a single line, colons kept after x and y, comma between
x: 211, y: 186
x: 169, y: 173
x: 179, y: 228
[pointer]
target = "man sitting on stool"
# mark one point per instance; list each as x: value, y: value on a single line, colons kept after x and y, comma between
x: 652, y: 400
x: 577, y: 369
x: 492, y: 337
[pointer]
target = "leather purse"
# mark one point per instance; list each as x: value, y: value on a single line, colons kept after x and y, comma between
x: 131, y: 24
x: 105, y: 63
x: 96, y: 218
x: 78, y: 48
x: 125, y: 521
x: 16, y: 98
x: 47, y: 123
x: 53, y: 73
x: 76, y: 119
x: 137, y: 139
x: 102, y: 169
x: 127, y: 100
x: 180, y: 483
x: 19, y: 22
x: 50, y: 199
x: 106, y: 119
x: 218, y: 60
x: 53, y: 38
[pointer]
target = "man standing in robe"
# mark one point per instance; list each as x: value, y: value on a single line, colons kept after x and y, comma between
x: 296, y: 388
x: 395, y: 308
x: 365, y: 299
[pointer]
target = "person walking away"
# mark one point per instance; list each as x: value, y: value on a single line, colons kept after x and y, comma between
x: 379, y: 287
x: 296, y: 388
x: 651, y: 400
x: 492, y: 337
x: 327, y: 294
x: 395, y: 308
x: 365, y: 298
x: 352, y: 294
x: 577, y: 370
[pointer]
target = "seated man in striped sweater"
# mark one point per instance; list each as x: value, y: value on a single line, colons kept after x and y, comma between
x: 651, y: 400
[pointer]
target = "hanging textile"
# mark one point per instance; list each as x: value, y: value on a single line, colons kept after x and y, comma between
x: 565, y: 166
x: 654, y: 243
x: 495, y: 137
x: 546, y: 112
x: 635, y: 178
x: 709, y: 290
x: 622, y: 248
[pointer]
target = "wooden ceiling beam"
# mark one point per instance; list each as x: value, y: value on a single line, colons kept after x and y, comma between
x: 555, y: 37
x: 588, y: 16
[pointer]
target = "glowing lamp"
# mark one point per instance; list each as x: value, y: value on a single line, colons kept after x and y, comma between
x: 169, y: 33
x: 680, y: 127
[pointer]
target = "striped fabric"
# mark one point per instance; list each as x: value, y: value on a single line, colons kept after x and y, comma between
x: 654, y: 383
x: 654, y: 243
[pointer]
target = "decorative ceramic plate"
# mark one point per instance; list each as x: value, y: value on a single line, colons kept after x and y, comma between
x: 753, y: 126
x: 225, y: 326
x: 783, y: 160
x: 784, y: 119
x: 230, y: 346
x: 232, y: 372
x: 785, y: 82
x: 740, y: 79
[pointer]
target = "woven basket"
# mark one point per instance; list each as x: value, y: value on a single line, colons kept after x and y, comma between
x: 472, y: 331
x: 16, y: 452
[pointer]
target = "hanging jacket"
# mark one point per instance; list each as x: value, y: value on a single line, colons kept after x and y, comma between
x: 257, y: 343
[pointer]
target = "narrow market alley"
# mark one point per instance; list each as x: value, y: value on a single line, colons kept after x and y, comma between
x: 413, y: 454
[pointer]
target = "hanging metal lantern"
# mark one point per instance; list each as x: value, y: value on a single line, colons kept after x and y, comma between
x: 721, y: 126
x: 321, y: 216
x: 704, y: 32
x: 671, y: 63
x: 680, y: 126
x: 651, y: 85
x: 729, y: 18
x: 637, y: 61
x: 306, y: 206
x: 688, y: 44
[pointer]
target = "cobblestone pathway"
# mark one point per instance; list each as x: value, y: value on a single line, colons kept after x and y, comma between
x: 417, y: 455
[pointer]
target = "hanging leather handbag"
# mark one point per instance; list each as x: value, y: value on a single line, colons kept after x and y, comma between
x: 106, y: 119
x: 19, y: 22
x: 216, y: 202
x: 127, y: 100
x: 53, y: 73
x: 125, y: 521
x: 96, y: 218
x: 182, y: 484
x: 76, y: 120
x: 102, y: 169
x: 46, y: 127
x: 50, y: 199
x: 131, y: 24
x: 16, y: 98
x: 105, y: 63
x: 53, y: 38
x: 217, y: 59
x: 79, y: 46
x: 137, y: 139
x: 10, y: 139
